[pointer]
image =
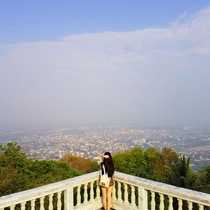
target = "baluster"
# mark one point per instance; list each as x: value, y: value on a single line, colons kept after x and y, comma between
x: 11, y: 207
x: 133, y: 196
x: 91, y: 192
x: 119, y: 192
x: 143, y: 200
x: 126, y: 194
x: 180, y: 203
x: 161, y: 201
x: 85, y: 193
x: 189, y: 205
x: 69, y: 198
x: 201, y: 207
x: 33, y: 204
x: 42, y: 203
x: 153, y: 201
x: 50, y: 201
x: 170, y: 203
x: 59, y: 201
x: 23, y: 205
x: 97, y: 192
x: 78, y: 196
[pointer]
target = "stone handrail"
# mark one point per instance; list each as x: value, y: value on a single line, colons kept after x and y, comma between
x: 152, y: 195
x: 83, y: 193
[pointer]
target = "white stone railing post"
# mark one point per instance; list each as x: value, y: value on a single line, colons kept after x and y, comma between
x: 152, y: 200
x: 68, y: 199
x: 170, y: 199
x: 133, y: 196
x: 143, y: 204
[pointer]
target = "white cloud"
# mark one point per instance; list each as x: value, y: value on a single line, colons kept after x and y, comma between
x: 130, y: 76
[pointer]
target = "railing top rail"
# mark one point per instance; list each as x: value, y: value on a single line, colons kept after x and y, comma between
x: 166, y: 189
x: 47, y: 189
x: 184, y: 194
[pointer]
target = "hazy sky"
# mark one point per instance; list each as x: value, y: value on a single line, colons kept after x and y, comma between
x: 75, y: 62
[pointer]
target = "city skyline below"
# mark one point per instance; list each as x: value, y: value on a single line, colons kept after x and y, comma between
x: 88, y: 142
x: 108, y: 63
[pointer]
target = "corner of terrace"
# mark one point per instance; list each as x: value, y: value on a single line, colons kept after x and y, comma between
x: 129, y: 193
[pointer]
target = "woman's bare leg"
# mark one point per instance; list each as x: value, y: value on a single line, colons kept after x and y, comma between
x: 104, y: 197
x: 109, y: 197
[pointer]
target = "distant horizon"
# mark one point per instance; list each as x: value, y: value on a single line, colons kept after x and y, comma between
x: 105, y: 125
x: 89, y: 140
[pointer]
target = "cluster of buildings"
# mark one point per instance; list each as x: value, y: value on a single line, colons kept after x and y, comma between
x: 87, y: 142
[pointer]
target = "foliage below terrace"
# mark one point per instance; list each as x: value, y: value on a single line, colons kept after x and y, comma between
x: 81, y: 164
x: 163, y: 166
x: 19, y: 173
x: 150, y: 164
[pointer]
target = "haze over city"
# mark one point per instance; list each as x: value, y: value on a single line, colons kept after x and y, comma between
x: 104, y: 62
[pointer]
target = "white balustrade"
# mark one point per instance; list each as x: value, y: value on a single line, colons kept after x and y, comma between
x: 155, y: 195
x: 129, y: 193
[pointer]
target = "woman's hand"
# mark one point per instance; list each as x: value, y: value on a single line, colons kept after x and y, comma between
x: 103, y: 156
x: 100, y: 156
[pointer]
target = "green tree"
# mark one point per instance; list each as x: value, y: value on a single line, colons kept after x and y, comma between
x: 131, y: 162
x: 11, y: 155
x: 11, y: 180
x: 19, y: 173
x: 202, y: 182
x: 81, y: 164
x: 163, y: 164
x: 152, y: 155
x: 182, y: 175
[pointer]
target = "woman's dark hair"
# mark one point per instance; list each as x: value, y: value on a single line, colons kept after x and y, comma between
x: 109, y: 165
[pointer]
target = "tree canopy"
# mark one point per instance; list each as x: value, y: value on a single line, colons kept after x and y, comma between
x: 81, y: 164
x: 18, y: 172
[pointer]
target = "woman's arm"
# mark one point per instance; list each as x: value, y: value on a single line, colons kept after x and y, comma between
x: 100, y: 157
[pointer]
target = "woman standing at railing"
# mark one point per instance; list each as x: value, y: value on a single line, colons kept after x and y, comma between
x: 106, y: 163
